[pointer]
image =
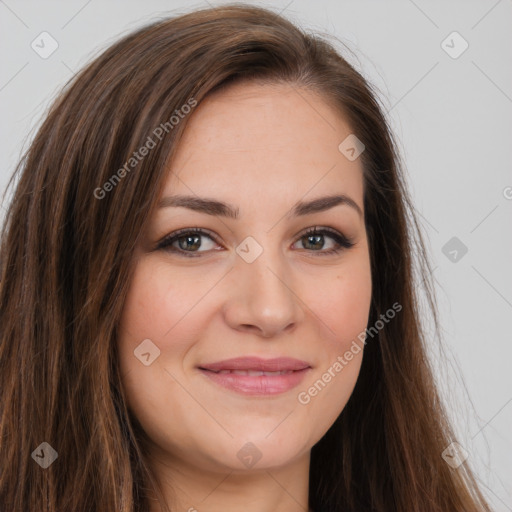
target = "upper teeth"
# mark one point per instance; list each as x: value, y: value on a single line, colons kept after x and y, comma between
x: 255, y: 373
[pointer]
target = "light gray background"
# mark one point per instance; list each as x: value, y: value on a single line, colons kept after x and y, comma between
x: 452, y: 118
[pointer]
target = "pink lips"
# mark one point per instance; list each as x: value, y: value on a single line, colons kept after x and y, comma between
x: 256, y: 376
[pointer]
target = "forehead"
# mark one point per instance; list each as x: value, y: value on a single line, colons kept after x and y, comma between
x: 253, y: 141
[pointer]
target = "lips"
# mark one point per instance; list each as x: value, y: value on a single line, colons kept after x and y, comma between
x: 280, y: 364
x: 256, y: 376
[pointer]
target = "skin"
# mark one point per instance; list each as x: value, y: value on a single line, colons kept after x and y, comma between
x: 260, y: 148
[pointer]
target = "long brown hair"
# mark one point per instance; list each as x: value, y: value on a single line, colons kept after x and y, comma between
x: 66, y: 260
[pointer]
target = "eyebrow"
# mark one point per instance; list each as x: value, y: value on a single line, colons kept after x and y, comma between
x: 214, y: 207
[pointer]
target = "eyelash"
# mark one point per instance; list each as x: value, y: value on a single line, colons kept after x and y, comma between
x: 166, y: 243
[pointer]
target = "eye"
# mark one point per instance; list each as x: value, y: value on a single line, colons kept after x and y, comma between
x: 187, y: 242
x: 315, y: 237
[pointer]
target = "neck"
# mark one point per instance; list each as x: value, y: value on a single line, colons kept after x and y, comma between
x: 189, y: 488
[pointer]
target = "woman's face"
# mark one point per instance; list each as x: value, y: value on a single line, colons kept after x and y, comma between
x: 255, y: 288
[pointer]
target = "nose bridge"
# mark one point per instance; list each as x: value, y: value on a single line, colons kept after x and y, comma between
x: 264, y: 297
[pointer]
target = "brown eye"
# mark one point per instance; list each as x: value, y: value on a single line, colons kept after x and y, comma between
x: 187, y: 242
x: 313, y: 240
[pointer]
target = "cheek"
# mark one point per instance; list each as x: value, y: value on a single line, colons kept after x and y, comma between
x: 153, y: 290
x: 347, y: 303
x: 153, y: 311
x: 343, y: 308
x: 158, y: 307
x: 341, y: 300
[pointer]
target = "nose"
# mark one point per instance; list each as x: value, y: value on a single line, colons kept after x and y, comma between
x: 262, y: 299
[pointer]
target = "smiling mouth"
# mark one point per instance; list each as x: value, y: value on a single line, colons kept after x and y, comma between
x: 255, y: 376
x: 253, y: 373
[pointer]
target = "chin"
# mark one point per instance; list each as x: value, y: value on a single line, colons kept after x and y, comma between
x: 258, y: 450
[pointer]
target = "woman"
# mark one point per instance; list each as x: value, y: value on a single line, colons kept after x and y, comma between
x: 207, y: 295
